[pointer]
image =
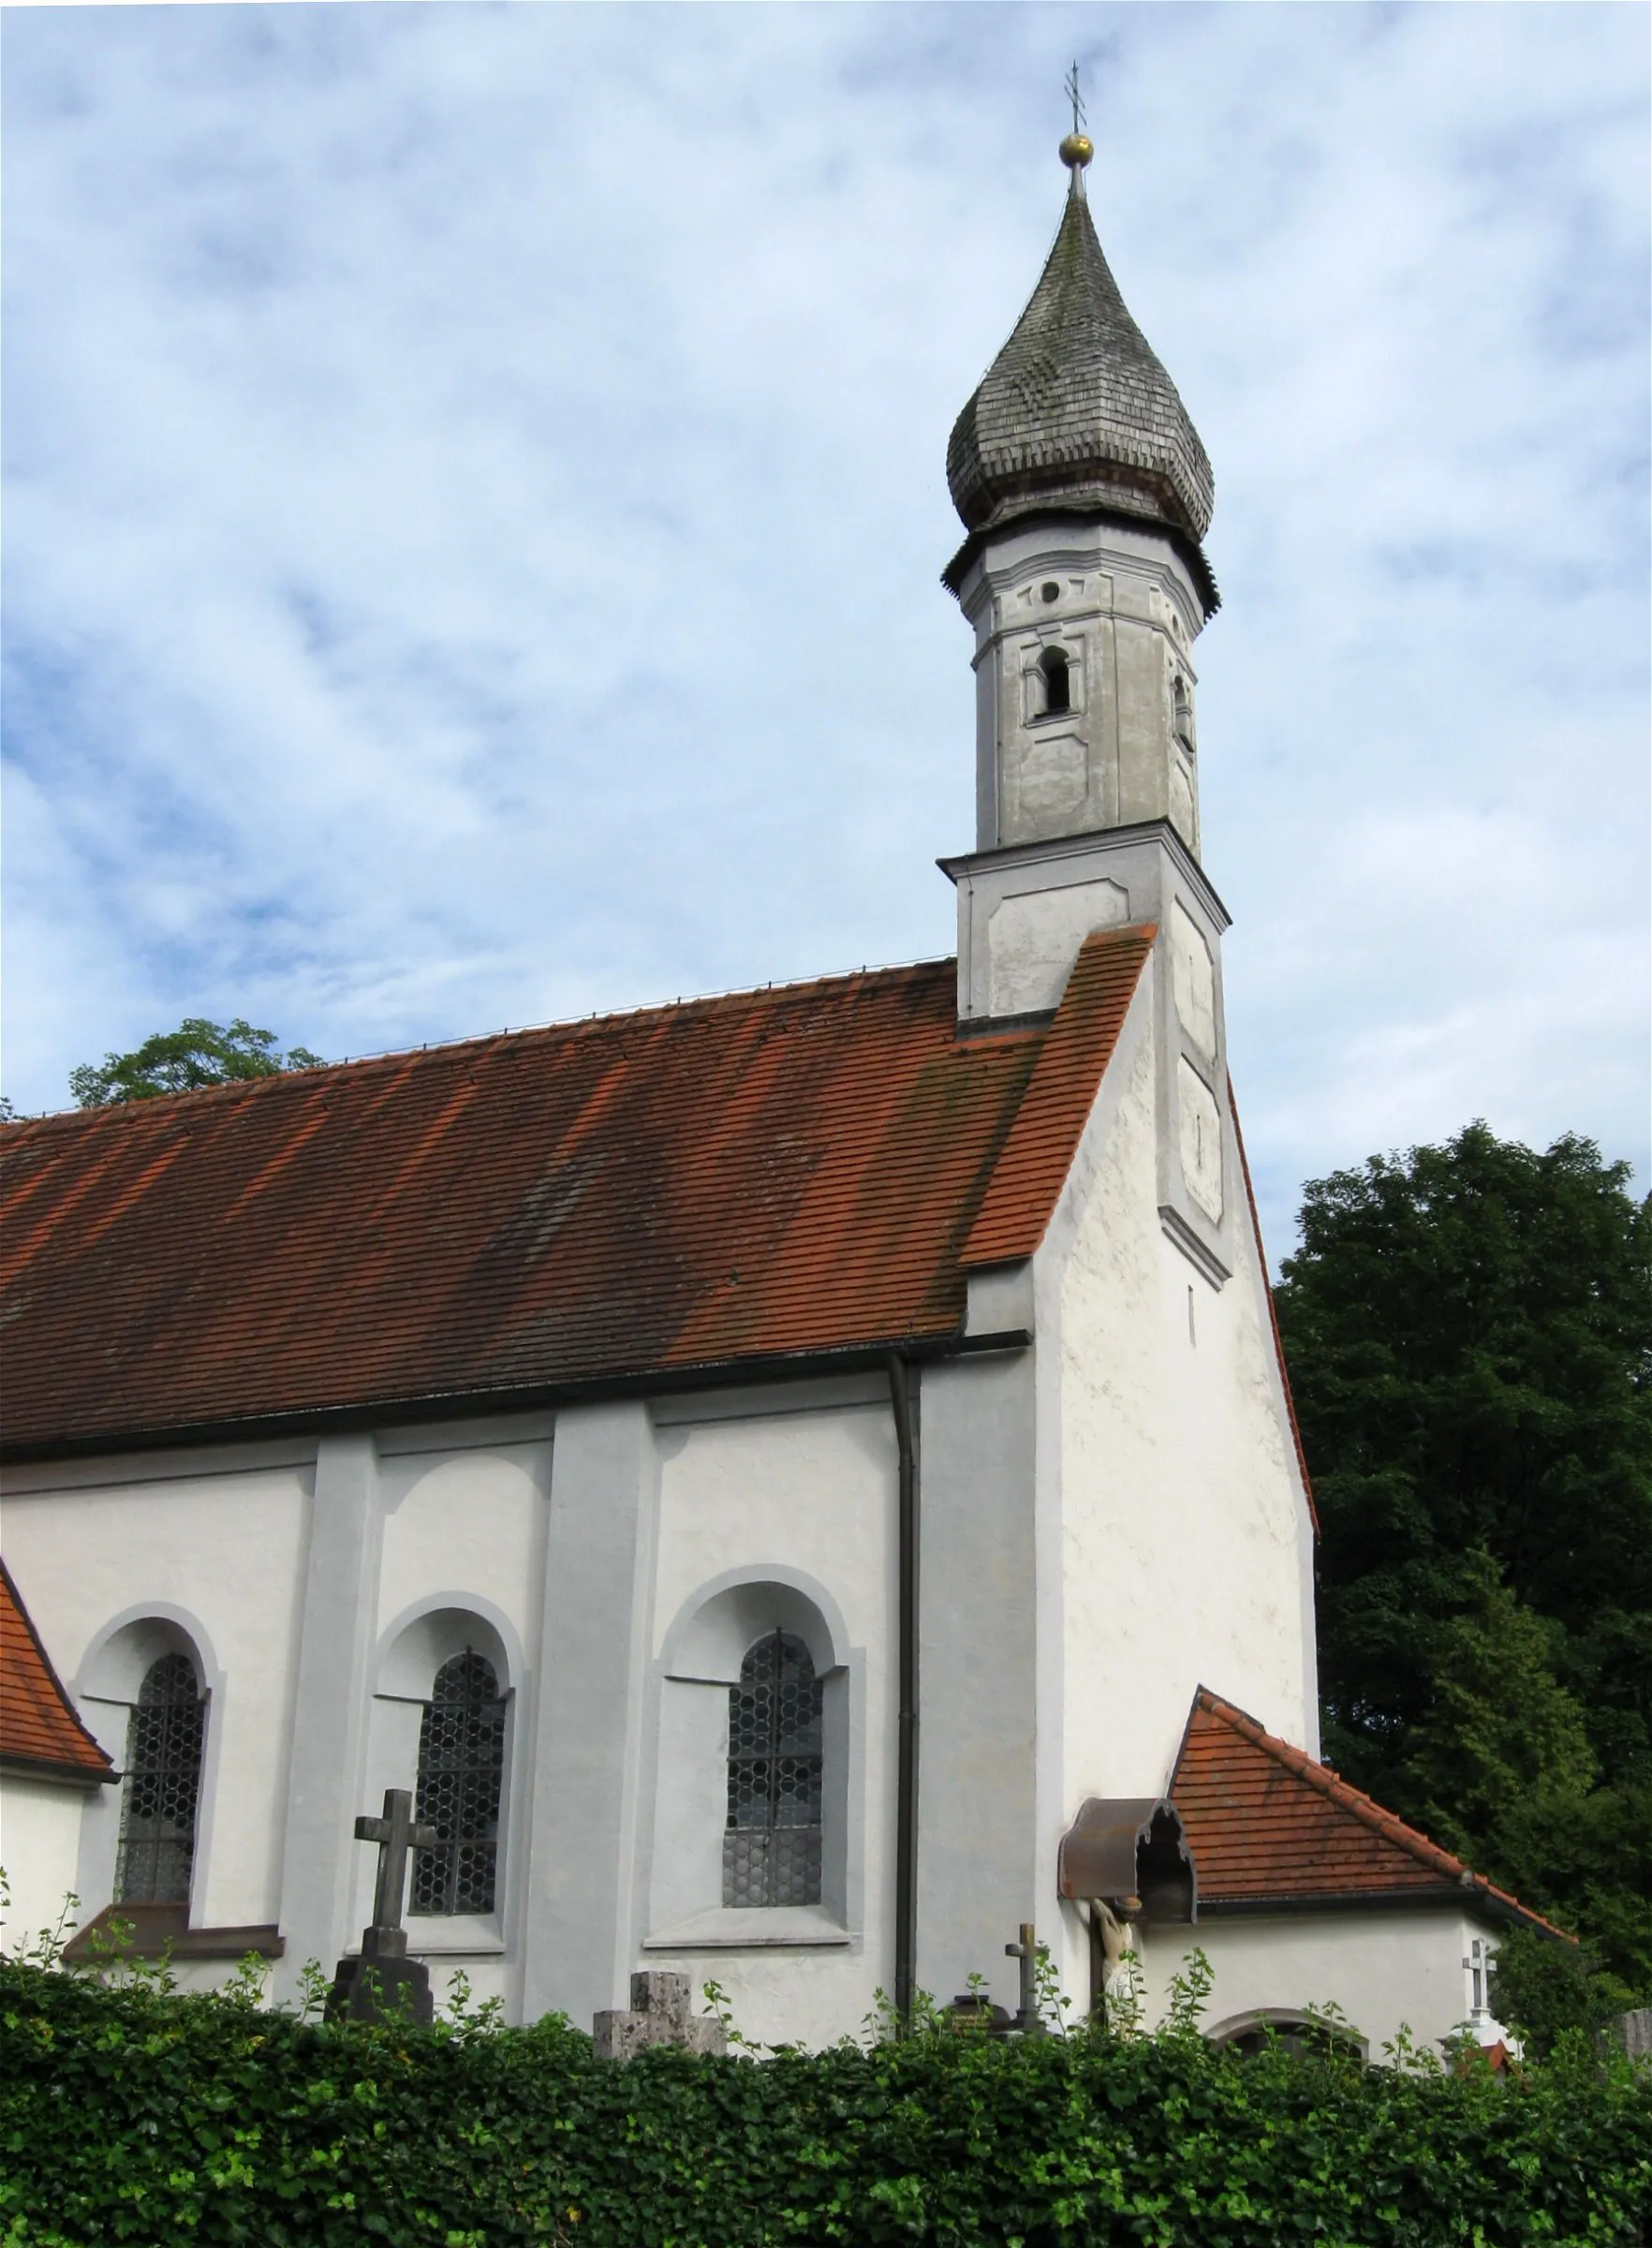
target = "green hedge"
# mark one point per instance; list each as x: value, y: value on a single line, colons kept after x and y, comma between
x: 139, y: 2115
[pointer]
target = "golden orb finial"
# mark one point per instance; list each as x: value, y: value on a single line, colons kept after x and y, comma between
x: 1078, y: 148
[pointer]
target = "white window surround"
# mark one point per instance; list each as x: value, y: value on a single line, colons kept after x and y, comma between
x: 752, y: 1928
x: 410, y: 1653
x: 105, y: 1692
x: 1284, y: 2021
x: 699, y: 1662
x: 1035, y: 711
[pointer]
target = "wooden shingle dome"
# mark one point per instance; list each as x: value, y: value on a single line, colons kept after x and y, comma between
x: 1076, y: 412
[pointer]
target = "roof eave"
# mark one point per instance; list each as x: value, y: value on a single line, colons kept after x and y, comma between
x: 1052, y: 509
x: 56, y: 1771
x: 1434, y: 1896
x: 510, y: 1397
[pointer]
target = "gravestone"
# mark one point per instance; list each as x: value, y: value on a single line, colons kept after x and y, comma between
x: 659, y: 2014
x: 383, y: 1983
x: 1637, y: 2033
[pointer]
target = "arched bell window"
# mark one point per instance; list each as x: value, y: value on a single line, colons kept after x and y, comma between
x: 772, y: 1843
x: 162, y: 1787
x: 1055, y: 672
x: 460, y: 1769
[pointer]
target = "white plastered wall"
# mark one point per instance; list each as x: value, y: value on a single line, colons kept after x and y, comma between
x: 217, y: 1551
x: 39, y: 1849
x: 752, y: 1490
x: 463, y: 1536
x: 1383, y: 1971
x: 1172, y: 1532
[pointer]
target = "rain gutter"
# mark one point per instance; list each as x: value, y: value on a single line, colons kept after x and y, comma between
x: 903, y: 1403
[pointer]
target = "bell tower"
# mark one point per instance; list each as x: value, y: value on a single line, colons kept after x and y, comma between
x: 1085, y: 492
x: 1086, y: 495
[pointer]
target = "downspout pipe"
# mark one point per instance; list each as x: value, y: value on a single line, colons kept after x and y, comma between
x: 903, y: 1403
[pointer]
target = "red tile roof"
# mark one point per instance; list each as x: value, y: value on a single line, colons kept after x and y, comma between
x: 1045, y: 1135
x: 689, y: 1187
x: 38, y: 1725
x: 1268, y: 1826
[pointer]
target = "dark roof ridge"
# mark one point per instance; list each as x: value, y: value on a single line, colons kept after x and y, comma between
x: 1365, y: 1808
x: 580, y: 1026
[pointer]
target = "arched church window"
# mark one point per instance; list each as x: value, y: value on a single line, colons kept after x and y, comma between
x: 1055, y: 671
x: 163, y: 1783
x: 460, y: 1768
x: 772, y: 1844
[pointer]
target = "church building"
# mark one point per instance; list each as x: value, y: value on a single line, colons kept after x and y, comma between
x: 796, y: 1484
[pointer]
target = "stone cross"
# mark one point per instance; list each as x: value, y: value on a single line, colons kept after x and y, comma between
x: 1030, y: 1951
x: 395, y: 1834
x: 659, y: 2014
x: 382, y: 1982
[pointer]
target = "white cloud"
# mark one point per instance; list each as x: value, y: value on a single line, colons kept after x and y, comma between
x: 476, y: 497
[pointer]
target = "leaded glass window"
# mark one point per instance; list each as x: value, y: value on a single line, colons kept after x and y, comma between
x: 772, y: 1844
x: 460, y: 1767
x: 163, y: 1782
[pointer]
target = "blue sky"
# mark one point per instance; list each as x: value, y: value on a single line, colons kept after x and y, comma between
x: 475, y: 501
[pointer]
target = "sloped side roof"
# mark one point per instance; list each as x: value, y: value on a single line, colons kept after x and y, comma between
x: 1044, y: 1137
x: 39, y: 1723
x: 733, y: 1180
x: 1269, y: 1825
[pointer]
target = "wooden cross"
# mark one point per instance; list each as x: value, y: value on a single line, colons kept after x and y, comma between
x: 395, y: 1834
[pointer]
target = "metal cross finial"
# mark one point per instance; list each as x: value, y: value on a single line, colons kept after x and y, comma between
x: 1071, y: 83
x: 395, y: 1834
x: 1076, y: 150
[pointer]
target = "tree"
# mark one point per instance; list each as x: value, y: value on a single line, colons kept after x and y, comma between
x: 1470, y: 1335
x: 197, y: 1054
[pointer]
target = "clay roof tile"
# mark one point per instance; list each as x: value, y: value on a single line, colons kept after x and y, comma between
x: 749, y: 1178
x: 39, y: 1727
x: 1268, y: 1825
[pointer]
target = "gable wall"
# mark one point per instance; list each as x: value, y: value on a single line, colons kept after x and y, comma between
x: 1172, y: 1528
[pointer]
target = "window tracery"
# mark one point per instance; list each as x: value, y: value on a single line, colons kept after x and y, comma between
x: 776, y: 1763
x: 162, y: 1787
x: 461, y: 1772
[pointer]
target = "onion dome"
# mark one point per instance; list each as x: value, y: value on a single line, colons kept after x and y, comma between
x: 1076, y: 414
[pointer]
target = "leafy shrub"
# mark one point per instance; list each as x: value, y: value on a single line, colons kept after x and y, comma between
x: 135, y: 2114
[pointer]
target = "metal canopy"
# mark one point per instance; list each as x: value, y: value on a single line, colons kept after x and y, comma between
x: 1130, y: 1848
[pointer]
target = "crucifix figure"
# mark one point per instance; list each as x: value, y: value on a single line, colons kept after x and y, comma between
x: 383, y: 1981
